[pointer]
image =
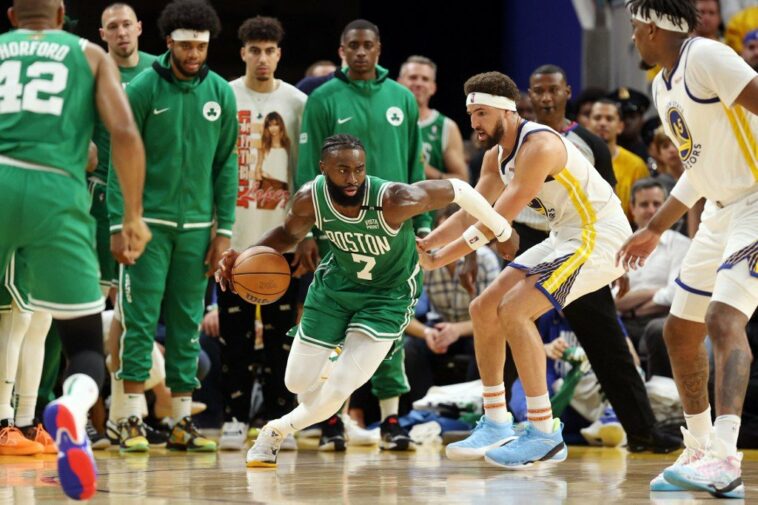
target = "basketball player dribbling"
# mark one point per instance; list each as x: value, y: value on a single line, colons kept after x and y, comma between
x: 707, y: 98
x: 364, y: 290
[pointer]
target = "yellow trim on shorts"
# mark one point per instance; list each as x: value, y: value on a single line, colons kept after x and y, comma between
x: 583, y: 206
x: 744, y: 136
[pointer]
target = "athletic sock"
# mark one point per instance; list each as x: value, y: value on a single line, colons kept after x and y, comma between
x: 699, y: 426
x: 540, y: 413
x: 389, y: 407
x: 727, y: 429
x: 494, y: 403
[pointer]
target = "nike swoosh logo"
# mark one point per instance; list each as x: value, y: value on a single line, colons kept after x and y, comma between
x: 345, y: 120
x: 160, y: 111
x: 328, y: 220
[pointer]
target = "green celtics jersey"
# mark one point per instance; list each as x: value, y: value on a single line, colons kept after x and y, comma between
x: 47, y: 104
x: 101, y: 137
x: 433, y: 137
x: 365, y: 248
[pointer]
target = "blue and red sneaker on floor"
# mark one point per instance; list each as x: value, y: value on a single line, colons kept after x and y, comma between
x: 76, y: 464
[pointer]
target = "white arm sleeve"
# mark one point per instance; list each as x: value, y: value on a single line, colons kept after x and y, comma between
x: 475, y: 204
x: 685, y: 192
x: 715, y: 70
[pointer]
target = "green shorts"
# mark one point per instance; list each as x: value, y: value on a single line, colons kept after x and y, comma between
x: 335, y: 305
x: 14, y: 285
x: 46, y: 222
x: 99, y: 210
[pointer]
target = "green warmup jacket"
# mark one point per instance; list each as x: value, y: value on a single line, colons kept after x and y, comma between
x: 189, y: 129
x: 382, y: 113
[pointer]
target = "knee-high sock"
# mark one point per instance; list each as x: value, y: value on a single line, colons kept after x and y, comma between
x: 13, y: 326
x: 30, y: 367
x: 356, y: 365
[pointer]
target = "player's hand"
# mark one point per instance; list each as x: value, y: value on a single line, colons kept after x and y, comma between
x: 210, y: 325
x: 425, y: 259
x: 223, y: 273
x: 509, y: 248
x: 129, y: 244
x: 306, y: 257
x: 555, y: 349
x: 219, y: 244
x: 468, y: 272
x: 637, y: 249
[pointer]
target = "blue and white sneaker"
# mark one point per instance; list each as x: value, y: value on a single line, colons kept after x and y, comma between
x: 487, y: 435
x: 692, y: 453
x: 717, y: 473
x: 531, y: 448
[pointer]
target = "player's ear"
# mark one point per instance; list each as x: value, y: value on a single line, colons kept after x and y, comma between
x: 322, y: 167
x: 12, y: 17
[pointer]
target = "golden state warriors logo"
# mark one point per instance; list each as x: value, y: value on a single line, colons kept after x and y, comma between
x: 682, y: 133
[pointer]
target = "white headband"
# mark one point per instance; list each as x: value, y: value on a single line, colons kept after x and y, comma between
x: 499, y: 102
x: 182, y: 35
x: 662, y: 21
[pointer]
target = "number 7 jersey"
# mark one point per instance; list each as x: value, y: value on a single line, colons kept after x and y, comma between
x: 365, y: 249
x: 47, y: 105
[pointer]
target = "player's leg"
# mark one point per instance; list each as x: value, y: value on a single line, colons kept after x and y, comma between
x: 183, y: 305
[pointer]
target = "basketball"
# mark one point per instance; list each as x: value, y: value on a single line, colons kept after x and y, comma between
x: 261, y: 275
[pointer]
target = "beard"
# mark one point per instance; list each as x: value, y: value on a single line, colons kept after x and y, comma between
x: 340, y: 198
x: 183, y: 70
x: 494, y: 139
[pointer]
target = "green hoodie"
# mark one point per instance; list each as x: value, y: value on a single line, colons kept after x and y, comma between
x: 382, y: 113
x: 190, y: 133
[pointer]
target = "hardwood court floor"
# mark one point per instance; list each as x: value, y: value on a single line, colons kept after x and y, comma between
x: 360, y: 476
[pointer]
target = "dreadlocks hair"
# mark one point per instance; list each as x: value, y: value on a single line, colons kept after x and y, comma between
x: 673, y: 9
x: 360, y: 24
x: 261, y: 29
x: 493, y: 83
x: 341, y: 141
x: 190, y: 15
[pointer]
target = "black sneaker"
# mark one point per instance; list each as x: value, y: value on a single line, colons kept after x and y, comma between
x: 658, y: 441
x: 332, y: 435
x: 97, y: 440
x: 394, y: 436
x: 156, y: 437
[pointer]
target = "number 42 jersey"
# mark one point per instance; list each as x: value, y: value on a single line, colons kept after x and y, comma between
x: 365, y: 249
x: 47, y: 106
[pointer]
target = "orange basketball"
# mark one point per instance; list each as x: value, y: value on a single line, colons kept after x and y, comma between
x: 261, y: 275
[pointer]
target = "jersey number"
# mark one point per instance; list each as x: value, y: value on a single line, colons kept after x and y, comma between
x: 46, y: 77
x: 370, y: 262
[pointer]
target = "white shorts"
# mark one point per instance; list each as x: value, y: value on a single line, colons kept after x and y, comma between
x: 575, y: 261
x: 721, y: 263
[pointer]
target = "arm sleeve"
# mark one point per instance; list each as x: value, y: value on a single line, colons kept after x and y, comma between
x: 685, y: 192
x: 313, y: 131
x: 423, y: 222
x: 225, y: 167
x: 139, y: 100
x: 715, y: 70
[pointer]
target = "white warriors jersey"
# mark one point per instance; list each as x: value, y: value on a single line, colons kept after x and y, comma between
x: 575, y: 197
x: 716, y: 137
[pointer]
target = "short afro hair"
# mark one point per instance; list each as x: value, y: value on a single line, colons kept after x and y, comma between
x: 189, y: 15
x: 493, y: 83
x: 261, y: 28
x: 360, y: 24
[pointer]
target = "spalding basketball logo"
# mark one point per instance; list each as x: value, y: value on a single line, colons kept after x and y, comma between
x: 681, y: 131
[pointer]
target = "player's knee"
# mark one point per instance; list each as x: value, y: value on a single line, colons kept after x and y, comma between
x: 723, y: 322
x: 296, y: 382
x: 482, y: 308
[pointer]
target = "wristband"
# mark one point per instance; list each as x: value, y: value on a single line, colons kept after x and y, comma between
x: 474, y: 237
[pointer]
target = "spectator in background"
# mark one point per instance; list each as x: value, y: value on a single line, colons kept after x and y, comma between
x: 709, y: 19
x: 606, y: 123
x: 750, y: 48
x: 524, y: 107
x: 442, y: 144
x: 320, y: 68
x: 670, y: 166
x: 739, y: 25
x: 647, y: 292
x: 633, y: 104
x: 584, y: 103
x: 448, y: 329
x: 648, y: 135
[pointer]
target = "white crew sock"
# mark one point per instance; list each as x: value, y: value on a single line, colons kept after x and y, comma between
x: 494, y: 403
x: 132, y: 405
x: 389, y: 407
x: 181, y: 407
x: 727, y: 429
x: 117, y: 411
x: 30, y: 365
x: 13, y: 326
x: 539, y: 412
x: 699, y: 426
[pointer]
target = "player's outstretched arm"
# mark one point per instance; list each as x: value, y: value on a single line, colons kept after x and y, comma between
x: 300, y: 219
x: 127, y: 151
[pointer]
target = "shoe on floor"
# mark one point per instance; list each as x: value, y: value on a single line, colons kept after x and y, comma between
x: 532, y: 447
x: 658, y: 442
x: 717, y: 472
x: 356, y: 435
x: 394, y: 436
x: 692, y: 453
x: 186, y: 437
x: 233, y: 435
x: 132, y: 435
x: 97, y: 441
x: 605, y: 431
x: 332, y: 435
x: 14, y: 443
x: 36, y: 433
x: 487, y: 434
x: 264, y: 451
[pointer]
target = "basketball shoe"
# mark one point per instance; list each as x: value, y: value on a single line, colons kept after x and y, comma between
x: 716, y: 472
x: 96, y: 440
x: 186, y: 437
x: 394, y: 436
x: 532, y: 447
x: 233, y: 435
x: 692, y: 453
x: 263, y: 453
x: 132, y: 435
x: 14, y: 443
x: 606, y: 431
x: 36, y: 433
x: 486, y: 435
x: 332, y: 435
